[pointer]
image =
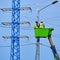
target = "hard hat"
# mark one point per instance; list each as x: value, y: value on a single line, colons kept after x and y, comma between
x: 36, y: 22
x: 41, y: 22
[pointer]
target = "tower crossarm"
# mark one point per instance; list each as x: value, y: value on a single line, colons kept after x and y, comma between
x: 10, y: 23
x: 21, y: 8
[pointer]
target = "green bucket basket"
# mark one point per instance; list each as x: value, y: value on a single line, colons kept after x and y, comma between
x: 42, y: 32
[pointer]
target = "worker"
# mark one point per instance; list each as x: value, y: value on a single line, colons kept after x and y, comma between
x: 42, y: 25
x: 36, y: 24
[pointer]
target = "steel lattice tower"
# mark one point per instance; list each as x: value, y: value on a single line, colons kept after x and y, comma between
x: 15, y: 47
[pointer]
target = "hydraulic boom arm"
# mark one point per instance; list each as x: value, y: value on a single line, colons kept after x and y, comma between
x: 56, y: 56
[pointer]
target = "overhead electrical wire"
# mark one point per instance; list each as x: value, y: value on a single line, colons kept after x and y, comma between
x: 42, y: 18
x: 23, y: 28
x: 52, y: 24
x: 32, y: 18
x: 40, y: 44
x: 10, y: 27
x: 47, y: 23
x: 5, y: 27
x: 44, y: 1
x: 30, y: 44
x: 51, y: 17
x: 4, y: 46
x: 26, y: 28
x: 34, y: 3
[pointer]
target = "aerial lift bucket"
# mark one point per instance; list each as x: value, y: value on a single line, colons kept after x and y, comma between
x: 42, y: 32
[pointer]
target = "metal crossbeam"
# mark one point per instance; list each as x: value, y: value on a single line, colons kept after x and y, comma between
x: 8, y: 37
x: 10, y: 9
x: 6, y: 23
x: 10, y: 23
x: 25, y: 22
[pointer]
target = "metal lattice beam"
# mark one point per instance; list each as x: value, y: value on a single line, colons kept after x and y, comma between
x: 8, y: 37
x: 10, y: 9
x: 15, y: 46
x: 10, y: 23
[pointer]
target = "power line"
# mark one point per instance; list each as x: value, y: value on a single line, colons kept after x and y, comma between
x: 30, y: 44
x: 44, y: 1
x: 40, y: 44
x: 43, y: 18
x: 51, y: 17
x: 5, y: 27
x: 4, y: 46
x: 32, y: 27
x: 26, y: 28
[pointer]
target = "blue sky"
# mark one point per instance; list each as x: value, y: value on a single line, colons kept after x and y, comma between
x: 51, y: 18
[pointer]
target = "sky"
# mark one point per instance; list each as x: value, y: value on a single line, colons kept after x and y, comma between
x: 51, y: 18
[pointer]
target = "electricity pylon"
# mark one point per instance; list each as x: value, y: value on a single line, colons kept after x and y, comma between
x: 15, y: 32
